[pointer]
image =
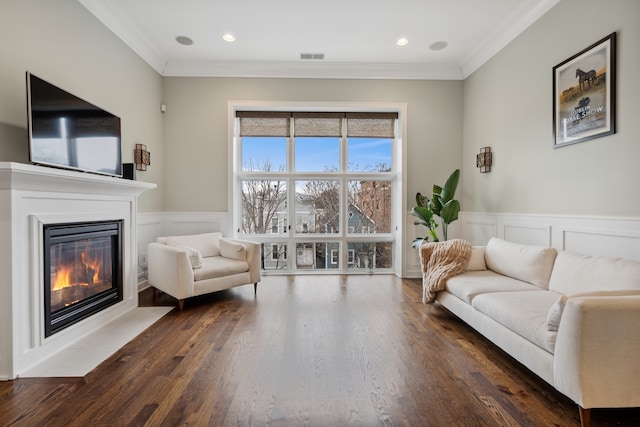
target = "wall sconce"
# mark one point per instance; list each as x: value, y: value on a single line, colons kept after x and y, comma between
x: 484, y: 160
x: 141, y: 157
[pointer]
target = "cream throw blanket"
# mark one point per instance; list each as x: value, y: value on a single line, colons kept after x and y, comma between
x: 441, y: 261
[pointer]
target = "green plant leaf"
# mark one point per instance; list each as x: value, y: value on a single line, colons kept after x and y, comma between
x: 425, y: 214
x: 448, y: 192
x: 449, y: 212
x: 436, y: 204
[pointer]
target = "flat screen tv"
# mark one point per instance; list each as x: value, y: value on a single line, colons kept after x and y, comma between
x: 71, y: 133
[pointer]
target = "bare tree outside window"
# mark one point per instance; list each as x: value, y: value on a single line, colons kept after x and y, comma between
x: 262, y: 202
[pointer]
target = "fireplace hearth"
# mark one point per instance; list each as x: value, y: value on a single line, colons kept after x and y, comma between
x: 82, y: 271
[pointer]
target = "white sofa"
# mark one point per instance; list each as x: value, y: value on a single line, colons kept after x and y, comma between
x: 187, y: 266
x: 573, y: 320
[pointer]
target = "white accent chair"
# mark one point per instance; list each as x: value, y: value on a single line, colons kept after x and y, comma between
x: 187, y: 266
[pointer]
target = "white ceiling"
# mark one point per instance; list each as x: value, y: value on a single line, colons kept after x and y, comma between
x: 357, y: 37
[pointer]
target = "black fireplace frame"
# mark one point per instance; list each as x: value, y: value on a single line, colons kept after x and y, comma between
x: 67, y: 232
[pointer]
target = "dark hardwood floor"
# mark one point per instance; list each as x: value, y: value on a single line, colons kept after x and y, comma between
x: 307, y: 350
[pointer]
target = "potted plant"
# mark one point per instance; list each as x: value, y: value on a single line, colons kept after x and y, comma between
x: 441, y: 204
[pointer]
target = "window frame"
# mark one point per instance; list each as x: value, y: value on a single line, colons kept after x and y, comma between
x: 396, y: 178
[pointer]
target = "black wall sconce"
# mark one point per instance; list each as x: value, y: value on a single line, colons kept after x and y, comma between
x: 484, y: 160
x: 141, y: 157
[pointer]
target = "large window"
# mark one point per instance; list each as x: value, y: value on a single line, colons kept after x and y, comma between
x: 321, y: 183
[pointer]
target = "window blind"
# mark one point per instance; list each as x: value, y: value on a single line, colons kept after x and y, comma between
x: 264, y: 123
x: 371, y: 125
x: 317, y: 124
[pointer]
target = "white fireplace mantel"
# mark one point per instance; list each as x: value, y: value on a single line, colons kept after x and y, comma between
x: 33, y: 195
x: 20, y: 176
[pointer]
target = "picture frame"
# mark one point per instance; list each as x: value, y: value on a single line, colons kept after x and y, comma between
x: 584, y: 88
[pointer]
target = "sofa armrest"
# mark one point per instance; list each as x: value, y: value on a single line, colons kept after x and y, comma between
x: 169, y: 270
x: 253, y: 251
x: 596, y: 354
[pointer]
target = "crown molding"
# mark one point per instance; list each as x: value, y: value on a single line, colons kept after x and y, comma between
x: 116, y: 20
x: 504, y: 34
x: 312, y: 70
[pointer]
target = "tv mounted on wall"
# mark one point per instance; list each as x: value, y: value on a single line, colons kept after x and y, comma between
x: 70, y: 133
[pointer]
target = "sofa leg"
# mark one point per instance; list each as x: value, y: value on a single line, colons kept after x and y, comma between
x: 255, y: 288
x: 585, y: 416
x: 180, y: 304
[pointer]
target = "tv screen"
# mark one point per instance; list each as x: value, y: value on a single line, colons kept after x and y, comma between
x: 68, y: 132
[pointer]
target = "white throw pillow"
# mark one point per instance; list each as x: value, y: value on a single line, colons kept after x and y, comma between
x: 195, y: 257
x: 233, y: 250
x: 529, y: 263
x: 476, y: 262
x: 206, y: 244
x: 555, y: 312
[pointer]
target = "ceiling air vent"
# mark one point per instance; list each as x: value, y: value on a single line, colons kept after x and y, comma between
x: 314, y: 56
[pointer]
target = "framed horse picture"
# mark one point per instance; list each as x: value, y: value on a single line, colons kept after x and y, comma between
x: 584, y: 94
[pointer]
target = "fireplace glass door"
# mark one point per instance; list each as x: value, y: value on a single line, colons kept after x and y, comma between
x: 83, y: 271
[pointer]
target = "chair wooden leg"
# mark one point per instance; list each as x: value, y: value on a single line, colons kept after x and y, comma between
x: 585, y: 416
x: 255, y: 288
x: 180, y: 304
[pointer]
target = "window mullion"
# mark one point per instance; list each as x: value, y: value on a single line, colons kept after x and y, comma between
x: 291, y: 199
x: 344, y: 199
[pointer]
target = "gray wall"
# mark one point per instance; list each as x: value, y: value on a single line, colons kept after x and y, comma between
x: 196, y: 144
x: 508, y: 106
x: 61, y: 42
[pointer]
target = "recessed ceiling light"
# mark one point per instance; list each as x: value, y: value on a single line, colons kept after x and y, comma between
x: 228, y: 37
x: 184, y: 40
x: 402, y: 41
x: 439, y: 45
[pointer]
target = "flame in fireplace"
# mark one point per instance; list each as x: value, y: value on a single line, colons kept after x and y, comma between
x: 85, y: 273
x: 93, y: 264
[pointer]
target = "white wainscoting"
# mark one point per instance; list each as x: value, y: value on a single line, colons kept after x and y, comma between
x: 600, y: 236
x: 152, y: 225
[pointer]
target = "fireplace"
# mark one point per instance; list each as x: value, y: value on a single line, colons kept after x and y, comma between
x: 82, y: 271
x: 33, y: 198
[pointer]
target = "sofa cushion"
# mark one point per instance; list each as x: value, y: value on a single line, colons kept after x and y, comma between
x: 468, y: 285
x: 574, y: 273
x: 206, y: 244
x: 532, y: 264
x: 555, y: 312
x: 213, y: 267
x: 233, y: 250
x: 476, y: 262
x: 525, y: 313
x: 195, y: 257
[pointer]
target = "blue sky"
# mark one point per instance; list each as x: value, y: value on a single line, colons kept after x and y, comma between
x: 316, y: 154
